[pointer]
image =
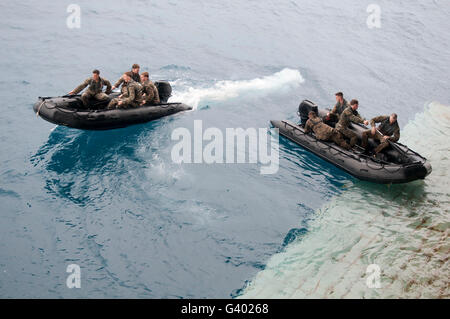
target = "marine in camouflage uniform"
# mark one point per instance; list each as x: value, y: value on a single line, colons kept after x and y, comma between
x: 149, y: 90
x: 386, y: 128
x: 131, y: 97
x: 349, y: 116
x: 95, y: 89
x: 323, y: 131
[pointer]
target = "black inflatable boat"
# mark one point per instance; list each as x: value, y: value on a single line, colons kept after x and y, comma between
x: 69, y: 111
x: 397, y: 163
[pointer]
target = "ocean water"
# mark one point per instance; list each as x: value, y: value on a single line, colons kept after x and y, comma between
x: 141, y: 226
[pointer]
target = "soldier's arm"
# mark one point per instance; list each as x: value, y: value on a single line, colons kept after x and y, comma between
x: 308, y: 126
x: 377, y: 119
x: 81, y: 87
x: 119, y: 82
x: 356, y: 119
x: 108, y: 86
x: 155, y: 94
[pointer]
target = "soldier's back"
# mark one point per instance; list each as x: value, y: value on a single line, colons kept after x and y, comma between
x: 137, y: 87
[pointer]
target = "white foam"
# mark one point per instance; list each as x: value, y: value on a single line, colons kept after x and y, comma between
x: 225, y: 90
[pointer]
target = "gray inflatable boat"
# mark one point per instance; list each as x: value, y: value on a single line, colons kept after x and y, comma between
x: 397, y: 163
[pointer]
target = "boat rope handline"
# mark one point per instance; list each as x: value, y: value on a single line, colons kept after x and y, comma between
x: 39, y: 108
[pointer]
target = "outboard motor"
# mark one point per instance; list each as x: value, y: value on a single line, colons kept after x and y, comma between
x: 164, y: 90
x: 304, y: 108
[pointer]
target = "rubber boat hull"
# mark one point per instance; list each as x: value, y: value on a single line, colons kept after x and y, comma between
x: 411, y: 166
x: 70, y: 111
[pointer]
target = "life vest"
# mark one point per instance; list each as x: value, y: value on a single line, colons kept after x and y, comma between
x: 341, y: 107
x: 96, y: 86
x: 386, y: 128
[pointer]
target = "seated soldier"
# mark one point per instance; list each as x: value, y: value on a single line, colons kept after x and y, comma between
x: 387, y: 131
x: 132, y: 97
x: 150, y: 92
x: 323, y: 131
x: 95, y: 88
x: 349, y: 115
x: 339, y: 107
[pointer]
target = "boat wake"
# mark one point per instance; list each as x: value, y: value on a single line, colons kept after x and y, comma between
x: 281, y: 81
x: 402, y: 229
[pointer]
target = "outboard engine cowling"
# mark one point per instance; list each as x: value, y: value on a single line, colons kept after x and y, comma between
x: 164, y: 90
x: 304, y: 108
